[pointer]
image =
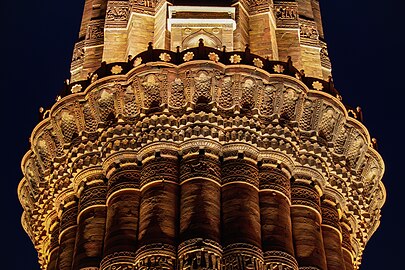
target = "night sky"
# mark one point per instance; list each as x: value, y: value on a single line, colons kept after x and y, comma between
x: 366, y: 47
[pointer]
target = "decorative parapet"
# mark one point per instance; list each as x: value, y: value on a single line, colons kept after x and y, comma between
x: 205, y: 53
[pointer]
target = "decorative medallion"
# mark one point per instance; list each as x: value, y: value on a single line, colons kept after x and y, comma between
x: 278, y: 68
x: 188, y: 56
x: 213, y: 57
x: 94, y: 78
x: 137, y: 61
x: 165, y: 57
x: 76, y: 88
x: 258, y: 63
x: 235, y: 59
x: 317, y: 85
x: 116, y: 69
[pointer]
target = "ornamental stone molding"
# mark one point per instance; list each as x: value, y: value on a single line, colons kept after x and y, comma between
x: 219, y: 121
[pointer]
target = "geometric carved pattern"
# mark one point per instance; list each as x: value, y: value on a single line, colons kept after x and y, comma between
x: 237, y: 170
x: 305, y: 195
x: 242, y: 257
x: 289, y: 100
x: 275, y: 179
x: 159, y: 169
x: 118, y: 260
x: 203, y: 167
x: 278, y: 260
x: 89, y: 120
x: 157, y: 256
x: 330, y: 216
x: 68, y: 218
x: 93, y: 195
x: 112, y: 120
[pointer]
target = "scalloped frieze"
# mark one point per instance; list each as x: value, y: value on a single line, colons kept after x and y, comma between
x: 83, y: 131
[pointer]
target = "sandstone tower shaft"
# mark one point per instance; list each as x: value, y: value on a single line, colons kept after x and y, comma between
x: 110, y: 31
x: 201, y: 137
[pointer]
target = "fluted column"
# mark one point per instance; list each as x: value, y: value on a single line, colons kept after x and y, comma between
x: 158, y: 213
x: 67, y: 233
x: 332, y: 236
x: 275, y: 201
x: 240, y: 212
x: 200, y: 210
x: 347, y: 246
x: 91, y: 223
x: 306, y: 224
x: 54, y: 245
x: 123, y: 196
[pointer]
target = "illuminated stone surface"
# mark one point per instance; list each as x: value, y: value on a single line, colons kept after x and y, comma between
x: 182, y: 154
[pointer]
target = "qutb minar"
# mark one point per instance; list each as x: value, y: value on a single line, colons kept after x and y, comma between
x: 193, y: 136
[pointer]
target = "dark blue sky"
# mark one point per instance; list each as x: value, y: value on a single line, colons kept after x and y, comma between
x: 366, y: 47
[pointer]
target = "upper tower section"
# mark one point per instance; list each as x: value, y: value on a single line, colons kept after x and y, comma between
x: 113, y: 31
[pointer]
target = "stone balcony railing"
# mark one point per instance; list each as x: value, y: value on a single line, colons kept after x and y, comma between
x: 207, y: 53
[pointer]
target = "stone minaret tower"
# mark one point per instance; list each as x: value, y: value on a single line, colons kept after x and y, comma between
x: 201, y: 137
